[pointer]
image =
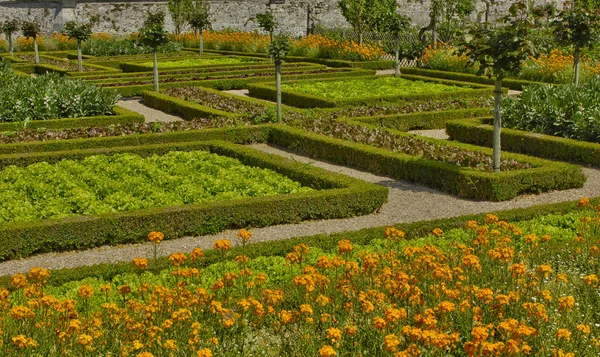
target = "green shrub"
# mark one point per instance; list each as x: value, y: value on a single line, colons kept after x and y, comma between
x: 115, y: 46
x: 568, y: 111
x: 50, y: 96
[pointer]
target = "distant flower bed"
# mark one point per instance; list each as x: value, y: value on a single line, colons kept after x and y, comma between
x: 311, y: 46
x: 557, y: 67
x: 102, y: 44
x: 443, y: 57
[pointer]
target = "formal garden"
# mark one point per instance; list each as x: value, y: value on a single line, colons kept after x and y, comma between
x: 379, y: 190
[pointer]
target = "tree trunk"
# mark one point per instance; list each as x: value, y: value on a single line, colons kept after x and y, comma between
x: 497, y: 124
x: 271, y: 36
x: 201, y: 44
x: 11, y: 49
x: 155, y: 70
x: 576, y: 66
x: 397, y: 73
x: 434, y: 33
x: 278, y: 85
x: 35, y: 49
x: 79, y: 57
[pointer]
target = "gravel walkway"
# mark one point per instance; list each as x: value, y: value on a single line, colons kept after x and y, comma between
x: 407, y: 203
x: 136, y: 104
x: 433, y: 133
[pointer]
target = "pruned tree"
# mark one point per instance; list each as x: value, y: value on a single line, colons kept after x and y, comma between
x: 266, y: 21
x: 9, y: 27
x: 443, y: 11
x: 396, y: 24
x: 80, y: 32
x: 179, y: 13
x: 356, y: 13
x: 500, y: 49
x: 576, y: 26
x: 199, y: 19
x: 153, y: 34
x: 32, y: 29
x: 278, y: 49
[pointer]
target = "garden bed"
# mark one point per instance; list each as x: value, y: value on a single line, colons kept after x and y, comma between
x: 232, y: 62
x: 334, y: 196
x: 330, y: 93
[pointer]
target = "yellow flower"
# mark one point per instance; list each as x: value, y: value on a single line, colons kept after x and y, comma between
x: 244, y: 235
x: 140, y: 263
x: 334, y: 334
x: 39, y: 274
x: 196, y: 254
x: 156, y: 237
x: 391, y: 342
x: 222, y: 245
x: 177, y: 259
x: 438, y: 232
x: 563, y: 333
x: 84, y: 340
x: 145, y: 354
x: 205, y: 352
x: 327, y: 351
x: 85, y: 291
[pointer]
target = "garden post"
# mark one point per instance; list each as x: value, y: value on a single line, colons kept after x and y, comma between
x: 155, y: 70
x: 278, y: 84
x: 35, y: 49
x: 79, y: 57
x: 497, y: 124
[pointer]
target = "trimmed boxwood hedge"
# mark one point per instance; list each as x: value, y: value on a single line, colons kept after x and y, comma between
x: 186, y: 110
x: 421, y: 120
x: 337, y: 196
x: 511, y: 83
x: 461, y: 181
x: 479, y: 132
x: 122, y: 116
x: 413, y: 230
x: 305, y: 100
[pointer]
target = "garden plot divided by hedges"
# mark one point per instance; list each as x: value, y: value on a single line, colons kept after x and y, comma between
x: 195, y: 62
x: 335, y: 196
x: 122, y: 116
x: 339, y: 92
x: 61, y: 65
x: 479, y: 132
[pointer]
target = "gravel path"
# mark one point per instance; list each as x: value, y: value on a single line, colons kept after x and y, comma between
x: 434, y: 133
x: 407, y: 203
x: 136, y: 104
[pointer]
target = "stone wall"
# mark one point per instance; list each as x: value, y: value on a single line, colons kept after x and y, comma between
x: 127, y: 16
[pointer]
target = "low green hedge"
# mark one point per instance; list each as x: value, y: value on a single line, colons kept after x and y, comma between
x: 234, y: 83
x: 337, y: 196
x: 421, y: 120
x: 305, y: 100
x: 413, y: 230
x: 376, y: 64
x: 122, y: 116
x: 462, y: 181
x: 183, y: 108
x: 511, y: 83
x: 479, y: 132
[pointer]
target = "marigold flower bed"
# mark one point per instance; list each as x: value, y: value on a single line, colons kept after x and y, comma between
x: 489, y: 289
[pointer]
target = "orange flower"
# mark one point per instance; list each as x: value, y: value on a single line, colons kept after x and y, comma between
x: 156, y: 237
x: 140, y: 263
x: 85, y: 291
x: 438, y: 232
x: 177, y: 259
x: 327, y: 351
x: 222, y: 245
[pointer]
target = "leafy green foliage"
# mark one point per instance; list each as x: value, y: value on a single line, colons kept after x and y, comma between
x: 266, y: 21
x: 279, y: 48
x: 361, y: 88
x: 78, y: 31
x: 568, y: 111
x: 30, y: 28
x: 198, y: 15
x: 124, y: 46
x: 179, y: 10
x: 9, y: 27
x: 124, y: 182
x: 195, y: 62
x: 50, y: 96
x: 153, y: 33
x: 576, y: 26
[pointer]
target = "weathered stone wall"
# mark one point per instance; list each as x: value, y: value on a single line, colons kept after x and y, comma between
x: 127, y: 16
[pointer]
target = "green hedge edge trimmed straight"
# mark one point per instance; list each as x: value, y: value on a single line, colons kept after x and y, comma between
x: 478, y: 132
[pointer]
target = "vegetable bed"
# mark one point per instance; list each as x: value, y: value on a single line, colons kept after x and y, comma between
x: 336, y: 92
x: 189, y: 63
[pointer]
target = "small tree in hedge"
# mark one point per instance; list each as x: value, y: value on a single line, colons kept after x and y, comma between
x: 278, y: 49
x: 199, y: 19
x: 500, y: 50
x: 79, y: 32
x: 178, y: 10
x: 153, y: 34
x: 576, y: 26
x: 9, y: 27
x: 396, y: 24
x: 356, y: 13
x: 32, y: 29
x: 266, y: 21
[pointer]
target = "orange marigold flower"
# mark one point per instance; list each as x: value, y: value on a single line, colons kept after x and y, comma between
x: 566, y: 303
x: 391, y: 342
x: 351, y: 330
x: 84, y: 340
x: 205, y: 352
x: 438, y: 232
x: 39, y: 274
x: 140, y: 263
x: 21, y: 341
x: 85, y: 291
x: 490, y: 218
x: 124, y: 289
x: 244, y: 235
x: 222, y: 245
x: 196, y: 254
x: 18, y: 281
x: 327, y: 351
x: 563, y: 333
x: 177, y: 259
x: 344, y: 246
x: 21, y: 312
x: 156, y: 237
x: 544, y: 270
x: 334, y: 334
x: 145, y: 354
x: 591, y: 279
x: 379, y: 323
x: 583, y: 202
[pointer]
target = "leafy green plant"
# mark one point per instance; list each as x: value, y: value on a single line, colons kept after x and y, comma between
x: 178, y: 9
x: 195, y: 62
x: 50, y: 96
x: 198, y: 17
x: 118, y: 46
x: 266, y: 21
x: 125, y: 182
x: 368, y: 87
x: 568, y: 111
x: 153, y: 34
